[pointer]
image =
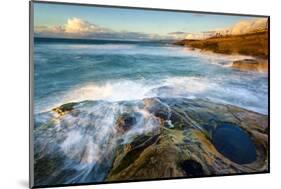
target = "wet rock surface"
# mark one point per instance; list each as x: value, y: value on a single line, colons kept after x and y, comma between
x: 94, y: 141
x: 206, y: 139
x: 63, y: 109
x: 126, y: 121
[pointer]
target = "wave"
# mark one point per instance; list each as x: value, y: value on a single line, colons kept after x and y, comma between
x: 217, y: 89
x: 110, y: 91
x: 125, y: 90
x: 225, y: 60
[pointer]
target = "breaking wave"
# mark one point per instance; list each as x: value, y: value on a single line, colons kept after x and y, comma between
x: 216, y: 89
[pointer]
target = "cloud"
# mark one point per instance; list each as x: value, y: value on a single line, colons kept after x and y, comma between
x: 76, y: 27
x: 73, y: 27
x: 242, y: 27
x: 194, y: 36
x: 245, y: 26
x: 199, y: 14
x: 249, y: 26
x: 177, y: 33
x: 185, y: 35
x: 54, y: 29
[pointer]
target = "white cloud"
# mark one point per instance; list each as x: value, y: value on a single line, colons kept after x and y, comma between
x: 76, y: 25
x: 246, y: 26
x: 186, y: 35
x: 242, y: 27
x: 53, y: 29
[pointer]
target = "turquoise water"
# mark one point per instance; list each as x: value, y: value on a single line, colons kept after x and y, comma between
x: 76, y: 70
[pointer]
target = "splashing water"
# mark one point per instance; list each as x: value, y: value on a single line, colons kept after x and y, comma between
x: 87, y: 138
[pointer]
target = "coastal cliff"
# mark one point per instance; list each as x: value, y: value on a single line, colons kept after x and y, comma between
x: 253, y: 44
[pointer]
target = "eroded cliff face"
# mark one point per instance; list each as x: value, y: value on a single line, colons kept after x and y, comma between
x: 251, y: 44
x: 94, y: 141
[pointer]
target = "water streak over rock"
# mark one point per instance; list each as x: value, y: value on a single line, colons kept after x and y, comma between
x: 93, y: 141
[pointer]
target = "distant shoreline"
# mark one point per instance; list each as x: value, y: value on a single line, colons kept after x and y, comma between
x: 96, y: 41
x: 251, y: 44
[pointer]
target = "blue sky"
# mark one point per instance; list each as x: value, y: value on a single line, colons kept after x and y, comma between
x: 50, y: 16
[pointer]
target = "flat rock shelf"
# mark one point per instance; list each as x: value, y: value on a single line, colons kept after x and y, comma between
x: 148, y: 139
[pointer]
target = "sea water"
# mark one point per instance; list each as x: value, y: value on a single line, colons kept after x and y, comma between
x: 72, y: 70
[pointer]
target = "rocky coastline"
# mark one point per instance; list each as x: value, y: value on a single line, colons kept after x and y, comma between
x: 253, y: 44
x: 186, y: 143
x: 189, y: 138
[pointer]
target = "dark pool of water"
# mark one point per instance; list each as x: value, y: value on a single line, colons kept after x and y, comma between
x: 234, y: 143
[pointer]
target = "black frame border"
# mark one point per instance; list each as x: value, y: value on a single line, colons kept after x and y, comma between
x: 31, y: 113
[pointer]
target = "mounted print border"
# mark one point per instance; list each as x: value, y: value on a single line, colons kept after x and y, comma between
x: 126, y: 94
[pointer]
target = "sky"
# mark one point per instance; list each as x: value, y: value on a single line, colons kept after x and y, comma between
x: 60, y: 20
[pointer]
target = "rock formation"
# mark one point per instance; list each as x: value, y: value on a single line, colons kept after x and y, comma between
x: 94, y: 141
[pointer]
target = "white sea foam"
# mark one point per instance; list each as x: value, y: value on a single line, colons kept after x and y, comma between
x: 191, y: 84
x: 225, y: 60
x: 115, y: 91
x: 90, y: 138
x: 216, y: 88
x: 137, y: 90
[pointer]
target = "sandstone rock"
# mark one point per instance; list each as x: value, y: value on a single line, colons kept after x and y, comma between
x: 64, y: 108
x: 198, y: 144
x: 156, y: 138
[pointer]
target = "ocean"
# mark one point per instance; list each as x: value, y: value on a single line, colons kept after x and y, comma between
x: 72, y: 70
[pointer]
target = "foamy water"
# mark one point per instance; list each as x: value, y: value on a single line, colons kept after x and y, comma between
x: 86, y: 143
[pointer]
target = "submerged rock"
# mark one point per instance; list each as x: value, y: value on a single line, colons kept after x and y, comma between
x: 126, y: 121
